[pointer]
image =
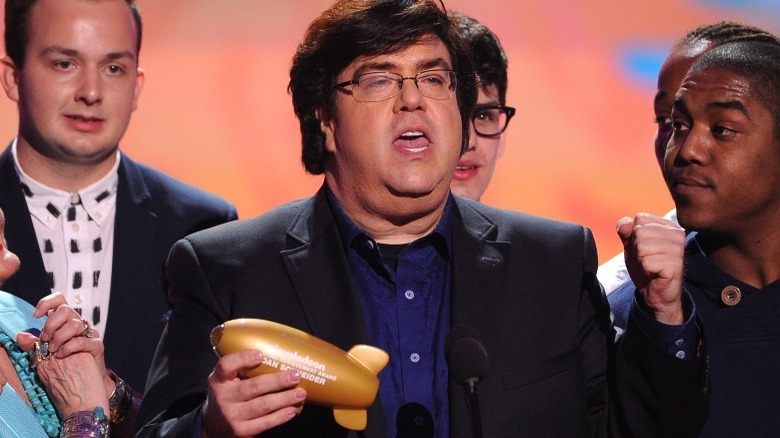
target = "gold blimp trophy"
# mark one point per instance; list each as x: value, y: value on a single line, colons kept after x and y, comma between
x: 343, y: 380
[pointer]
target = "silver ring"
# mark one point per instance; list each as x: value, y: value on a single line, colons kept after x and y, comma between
x: 40, y: 352
x: 88, y: 332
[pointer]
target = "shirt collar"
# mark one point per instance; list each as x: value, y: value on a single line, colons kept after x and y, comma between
x: 97, y: 198
x: 440, y: 237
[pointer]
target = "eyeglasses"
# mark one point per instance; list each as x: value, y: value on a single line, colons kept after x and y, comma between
x: 376, y: 86
x: 492, y: 120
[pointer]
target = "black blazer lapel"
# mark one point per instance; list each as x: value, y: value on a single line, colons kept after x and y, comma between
x: 134, y: 234
x: 478, y: 293
x: 318, y: 268
x: 31, y: 282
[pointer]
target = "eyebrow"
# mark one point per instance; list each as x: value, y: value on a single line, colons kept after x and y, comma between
x: 733, y: 104
x: 76, y: 54
x: 426, y: 64
x: 729, y: 104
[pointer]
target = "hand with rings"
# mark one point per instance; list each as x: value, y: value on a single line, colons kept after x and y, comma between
x: 68, y: 354
x: 42, y: 351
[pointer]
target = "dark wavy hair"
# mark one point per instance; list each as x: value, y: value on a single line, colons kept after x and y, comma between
x: 727, y: 32
x: 17, y: 29
x: 490, y: 59
x: 350, y: 29
x: 757, y: 62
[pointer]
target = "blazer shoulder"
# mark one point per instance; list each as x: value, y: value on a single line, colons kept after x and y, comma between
x: 269, y: 230
x: 511, y: 224
x: 166, y: 190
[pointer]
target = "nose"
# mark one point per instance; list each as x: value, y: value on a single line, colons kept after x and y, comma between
x: 693, y: 148
x: 410, y: 98
x: 90, y: 89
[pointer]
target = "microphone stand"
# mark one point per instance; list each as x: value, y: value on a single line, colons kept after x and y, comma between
x: 476, y: 421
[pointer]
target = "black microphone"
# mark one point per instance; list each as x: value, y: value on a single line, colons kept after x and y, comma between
x: 414, y: 421
x: 468, y: 362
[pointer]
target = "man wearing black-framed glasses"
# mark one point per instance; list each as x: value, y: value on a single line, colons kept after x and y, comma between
x: 491, y: 115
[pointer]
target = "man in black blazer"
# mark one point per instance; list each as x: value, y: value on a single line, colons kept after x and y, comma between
x: 75, y: 96
x: 383, y: 254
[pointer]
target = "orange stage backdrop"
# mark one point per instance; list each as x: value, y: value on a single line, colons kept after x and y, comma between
x: 215, y: 110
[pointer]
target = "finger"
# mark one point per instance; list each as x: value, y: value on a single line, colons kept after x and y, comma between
x: 278, y: 382
x: 655, y: 238
x: 625, y: 227
x: 251, y: 406
x: 62, y: 318
x: 49, y: 304
x: 267, y: 401
x: 80, y: 344
x: 258, y: 425
x: 26, y: 340
x: 231, y: 365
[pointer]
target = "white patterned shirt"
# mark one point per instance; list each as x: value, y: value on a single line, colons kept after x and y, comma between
x: 75, y: 233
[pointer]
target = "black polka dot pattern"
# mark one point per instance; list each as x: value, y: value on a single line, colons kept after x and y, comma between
x: 53, y: 210
x: 26, y: 190
x: 95, y: 315
x: 77, y: 280
x: 103, y: 195
x: 75, y: 241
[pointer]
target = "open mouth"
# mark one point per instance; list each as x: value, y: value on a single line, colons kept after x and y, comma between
x: 412, y: 141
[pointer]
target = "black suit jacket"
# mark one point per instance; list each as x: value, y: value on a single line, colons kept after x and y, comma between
x: 526, y: 284
x: 153, y: 211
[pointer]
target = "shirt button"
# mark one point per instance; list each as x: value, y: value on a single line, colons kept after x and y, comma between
x: 680, y: 355
x: 78, y: 299
x: 409, y: 294
x: 75, y: 198
x: 98, y: 216
x: 370, y: 244
x: 679, y: 342
x: 731, y: 295
x: 74, y: 227
x: 414, y: 357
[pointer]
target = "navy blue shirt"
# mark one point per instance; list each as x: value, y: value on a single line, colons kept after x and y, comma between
x: 407, y: 310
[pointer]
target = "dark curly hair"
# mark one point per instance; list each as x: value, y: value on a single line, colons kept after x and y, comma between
x: 727, y: 32
x: 490, y: 59
x: 350, y: 29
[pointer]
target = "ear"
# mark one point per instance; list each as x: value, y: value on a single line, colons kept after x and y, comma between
x: 9, y: 78
x: 327, y: 127
x: 139, y: 85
